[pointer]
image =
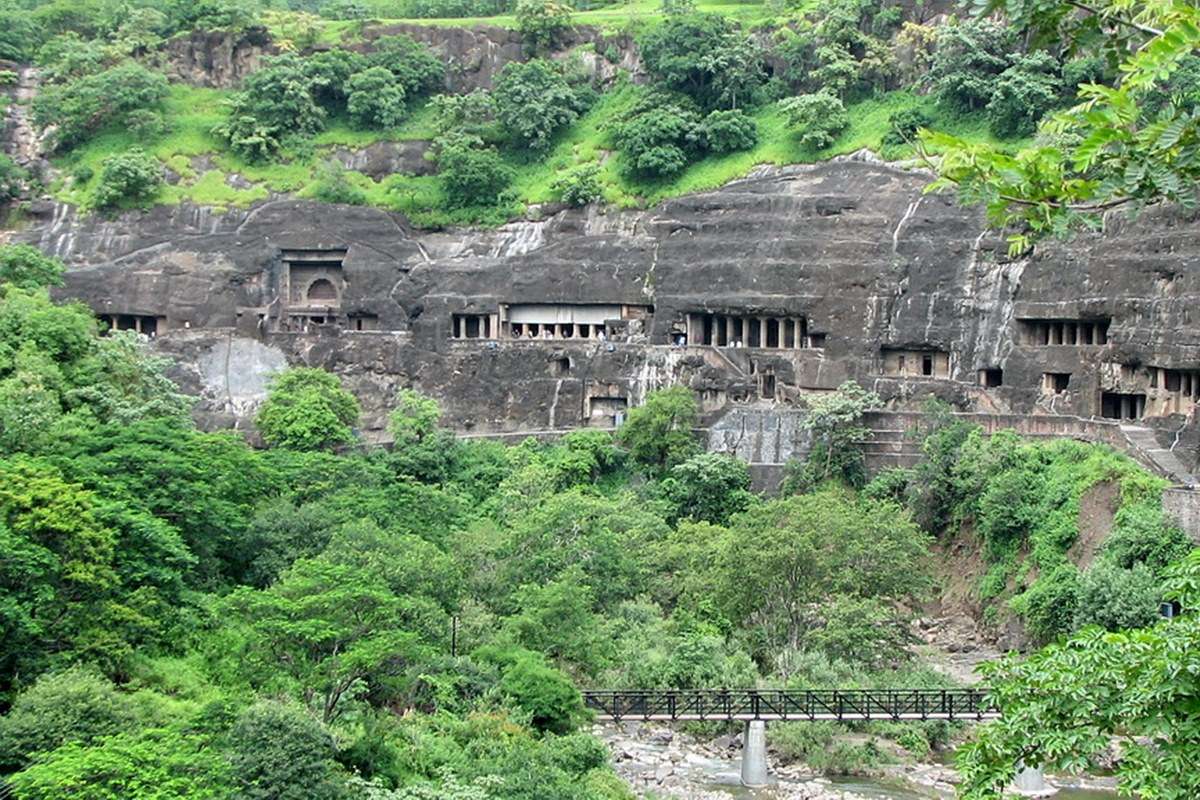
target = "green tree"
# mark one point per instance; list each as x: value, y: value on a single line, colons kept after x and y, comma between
x: 275, y: 102
x: 658, y: 138
x: 1117, y: 599
x: 328, y: 629
x: 708, y: 487
x: 57, y: 573
x: 375, y: 99
x: 545, y: 693
x: 159, y: 763
x: 658, y: 433
x: 80, y: 108
x: 819, y: 117
x: 28, y: 268
x: 12, y: 180
x: 416, y: 69
x: 1118, y: 147
x: 472, y: 174
x: 1024, y: 93
x: 835, y: 424
x: 968, y: 59
x: 728, y: 131
x: 701, y: 56
x: 1064, y: 705
x: 785, y: 559
x: 307, y: 409
x: 130, y: 178
x: 328, y: 72
x: 76, y: 705
x: 534, y: 101
x: 278, y: 752
x: 542, y: 23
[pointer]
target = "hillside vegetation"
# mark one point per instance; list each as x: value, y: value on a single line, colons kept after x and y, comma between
x: 722, y: 88
x: 183, y: 615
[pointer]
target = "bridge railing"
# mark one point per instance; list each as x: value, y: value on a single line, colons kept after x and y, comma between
x: 784, y: 704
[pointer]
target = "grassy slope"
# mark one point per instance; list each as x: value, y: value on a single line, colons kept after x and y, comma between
x: 206, y: 170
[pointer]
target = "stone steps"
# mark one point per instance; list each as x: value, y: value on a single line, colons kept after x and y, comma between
x: 1145, y: 442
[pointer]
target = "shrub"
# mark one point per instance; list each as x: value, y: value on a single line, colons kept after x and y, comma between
x: 1116, y: 598
x: 1048, y: 606
x: 903, y: 126
x: 472, y: 174
x: 332, y: 186
x: 81, y: 107
x: 727, y: 131
x: 417, y: 69
x: 145, y: 124
x: 307, y: 409
x: 658, y: 138
x: 542, y: 22
x: 580, y: 185
x: 132, y: 177
x: 27, y: 267
x: 1023, y: 94
x: 279, y: 752
x: 820, y: 118
x: 546, y: 694
x: 1142, y: 535
x: 72, y: 706
x: 12, y: 179
x: 375, y: 99
x: 533, y: 101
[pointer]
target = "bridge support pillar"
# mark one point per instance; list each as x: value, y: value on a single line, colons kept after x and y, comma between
x: 754, y: 754
x: 1031, y: 782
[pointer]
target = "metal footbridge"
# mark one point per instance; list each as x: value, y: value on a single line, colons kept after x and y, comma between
x: 790, y: 704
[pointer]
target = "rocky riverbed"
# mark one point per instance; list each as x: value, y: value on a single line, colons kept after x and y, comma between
x: 658, y: 761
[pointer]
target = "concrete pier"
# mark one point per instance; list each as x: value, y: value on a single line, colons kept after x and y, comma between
x: 1031, y: 782
x: 754, y: 754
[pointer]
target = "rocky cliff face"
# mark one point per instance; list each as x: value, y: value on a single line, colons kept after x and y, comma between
x: 790, y: 281
x: 472, y: 55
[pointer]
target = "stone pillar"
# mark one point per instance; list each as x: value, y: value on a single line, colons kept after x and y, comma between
x: 729, y: 331
x: 754, y: 754
x: 1031, y: 782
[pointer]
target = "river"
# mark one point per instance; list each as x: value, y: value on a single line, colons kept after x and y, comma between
x: 655, y: 759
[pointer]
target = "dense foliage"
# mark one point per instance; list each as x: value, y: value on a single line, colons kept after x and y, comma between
x: 180, y: 610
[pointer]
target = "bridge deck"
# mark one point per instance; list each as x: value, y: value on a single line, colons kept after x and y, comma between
x: 789, y: 704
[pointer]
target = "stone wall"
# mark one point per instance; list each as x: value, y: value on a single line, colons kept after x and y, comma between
x: 1183, y: 506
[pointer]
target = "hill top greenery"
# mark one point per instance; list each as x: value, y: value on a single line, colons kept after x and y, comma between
x: 728, y: 87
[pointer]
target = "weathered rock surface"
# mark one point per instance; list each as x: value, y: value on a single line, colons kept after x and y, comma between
x: 874, y: 268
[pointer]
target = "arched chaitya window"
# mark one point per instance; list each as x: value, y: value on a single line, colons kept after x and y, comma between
x: 321, y: 290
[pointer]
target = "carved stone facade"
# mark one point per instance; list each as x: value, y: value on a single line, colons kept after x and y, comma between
x: 785, y: 283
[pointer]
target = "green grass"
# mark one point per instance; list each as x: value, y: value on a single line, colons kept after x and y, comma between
x: 622, y: 16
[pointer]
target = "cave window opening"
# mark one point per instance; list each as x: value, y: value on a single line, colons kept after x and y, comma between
x: 1122, y: 406
x: 991, y: 377
x: 473, y: 326
x: 1055, y: 382
x: 1064, y: 332
x: 927, y: 364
